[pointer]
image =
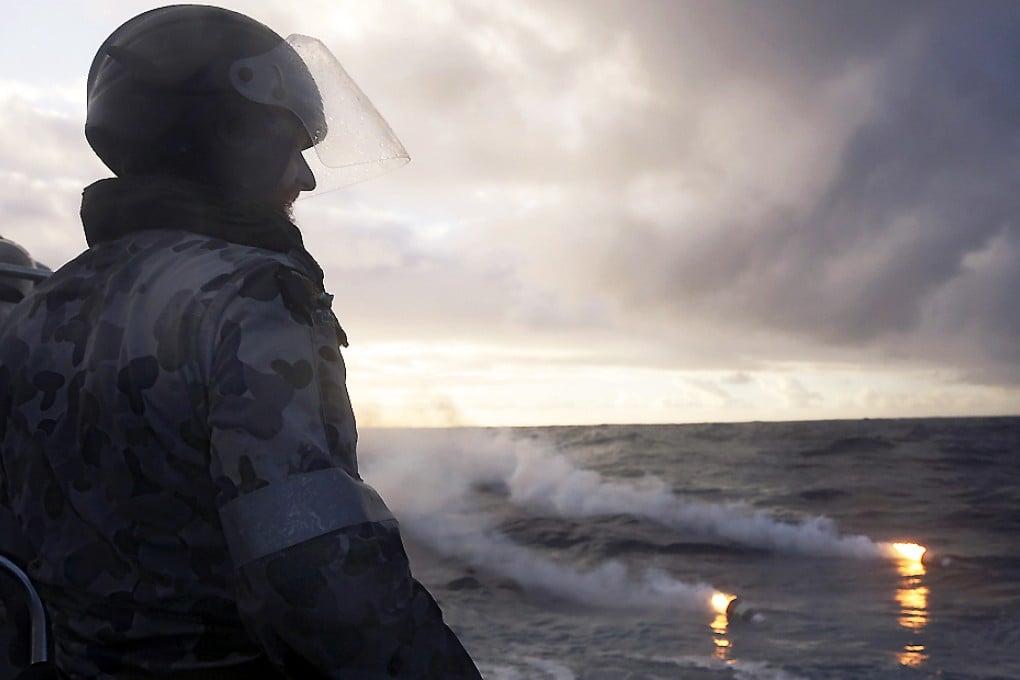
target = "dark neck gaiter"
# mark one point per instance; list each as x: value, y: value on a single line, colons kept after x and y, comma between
x: 116, y: 207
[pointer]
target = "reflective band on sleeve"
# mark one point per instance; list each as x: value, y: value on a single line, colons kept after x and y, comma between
x: 295, y: 510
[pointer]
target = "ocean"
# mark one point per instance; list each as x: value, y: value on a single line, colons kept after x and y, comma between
x: 594, y: 552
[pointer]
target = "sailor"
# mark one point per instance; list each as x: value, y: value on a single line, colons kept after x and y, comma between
x: 176, y: 437
x: 19, y: 272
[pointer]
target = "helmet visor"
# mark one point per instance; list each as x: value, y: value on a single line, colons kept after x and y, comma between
x: 350, y: 140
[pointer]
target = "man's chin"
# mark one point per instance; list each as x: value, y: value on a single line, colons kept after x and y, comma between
x: 288, y: 204
x: 284, y: 203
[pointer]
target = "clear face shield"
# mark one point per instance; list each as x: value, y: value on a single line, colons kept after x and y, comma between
x: 350, y: 140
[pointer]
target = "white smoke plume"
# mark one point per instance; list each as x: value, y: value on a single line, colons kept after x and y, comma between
x: 428, y: 476
x: 550, y: 481
x: 427, y: 483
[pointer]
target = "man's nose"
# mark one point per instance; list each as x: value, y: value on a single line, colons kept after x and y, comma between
x: 305, y: 176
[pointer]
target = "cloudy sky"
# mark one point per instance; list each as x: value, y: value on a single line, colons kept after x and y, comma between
x: 630, y: 210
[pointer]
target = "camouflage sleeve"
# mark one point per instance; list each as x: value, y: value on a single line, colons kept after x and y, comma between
x: 341, y: 604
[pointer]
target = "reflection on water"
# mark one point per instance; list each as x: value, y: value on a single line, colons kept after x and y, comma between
x: 912, y: 655
x: 912, y: 597
x: 722, y: 644
x: 913, y: 607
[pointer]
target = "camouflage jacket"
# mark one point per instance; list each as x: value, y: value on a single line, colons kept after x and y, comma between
x: 149, y: 390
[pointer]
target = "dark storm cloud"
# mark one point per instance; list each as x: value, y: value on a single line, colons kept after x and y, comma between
x: 930, y: 178
x: 928, y: 182
x: 891, y: 229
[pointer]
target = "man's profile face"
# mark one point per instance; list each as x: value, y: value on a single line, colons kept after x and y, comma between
x: 266, y: 150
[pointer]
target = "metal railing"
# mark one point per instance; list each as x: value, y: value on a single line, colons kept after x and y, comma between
x: 36, y: 612
x: 17, y: 271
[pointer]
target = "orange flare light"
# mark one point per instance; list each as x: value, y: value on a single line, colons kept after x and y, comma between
x: 720, y: 601
x: 909, y: 551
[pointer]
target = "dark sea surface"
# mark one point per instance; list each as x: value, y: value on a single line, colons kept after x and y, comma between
x: 593, y: 552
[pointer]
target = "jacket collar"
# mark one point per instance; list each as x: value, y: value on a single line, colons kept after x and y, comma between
x: 115, y: 207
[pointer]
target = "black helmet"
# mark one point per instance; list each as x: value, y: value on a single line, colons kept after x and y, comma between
x: 18, y: 273
x: 162, y: 84
x: 167, y: 87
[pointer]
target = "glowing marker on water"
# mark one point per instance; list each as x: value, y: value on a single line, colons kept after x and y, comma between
x: 909, y: 551
x: 734, y: 609
x: 739, y: 611
x: 720, y: 601
x: 910, y: 557
x: 934, y: 559
x: 929, y: 558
